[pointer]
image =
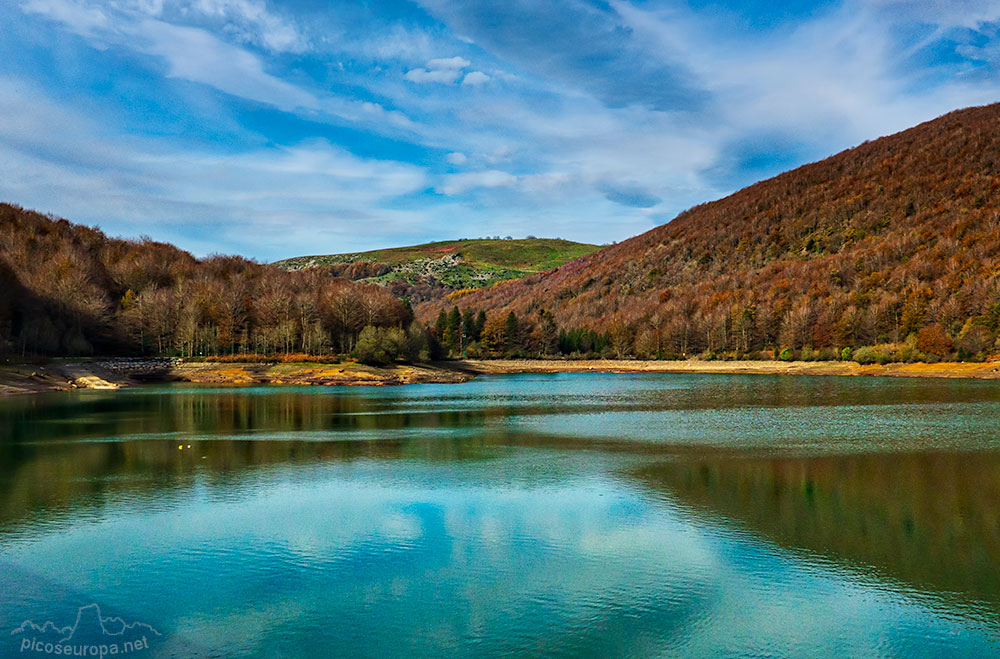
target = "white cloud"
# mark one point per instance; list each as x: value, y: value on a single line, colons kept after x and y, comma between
x: 197, y: 55
x: 253, y: 23
x: 445, y: 76
x: 475, y: 78
x: 945, y: 13
x: 813, y: 86
x: 191, y: 53
x: 442, y: 70
x: 448, y: 63
x: 545, y: 182
x: 453, y: 184
x: 82, y: 19
x: 395, y: 42
x: 831, y: 81
x: 249, y: 21
x: 280, y: 199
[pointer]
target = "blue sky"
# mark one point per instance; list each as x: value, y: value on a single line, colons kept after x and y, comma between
x: 274, y: 129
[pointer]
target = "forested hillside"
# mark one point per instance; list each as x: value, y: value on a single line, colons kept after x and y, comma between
x: 894, y: 244
x: 434, y: 270
x: 888, y: 251
x: 67, y: 289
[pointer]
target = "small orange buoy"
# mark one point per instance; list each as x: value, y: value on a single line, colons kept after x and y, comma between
x: 179, y: 447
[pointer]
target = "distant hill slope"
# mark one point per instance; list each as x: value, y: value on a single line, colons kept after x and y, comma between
x: 434, y: 269
x: 869, y: 246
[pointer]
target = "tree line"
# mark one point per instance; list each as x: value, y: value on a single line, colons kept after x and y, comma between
x: 475, y: 335
x: 69, y: 290
x: 736, y: 335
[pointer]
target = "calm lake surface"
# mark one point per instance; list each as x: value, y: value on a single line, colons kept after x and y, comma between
x: 573, y: 515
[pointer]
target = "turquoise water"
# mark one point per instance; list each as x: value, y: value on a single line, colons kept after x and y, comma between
x: 572, y: 515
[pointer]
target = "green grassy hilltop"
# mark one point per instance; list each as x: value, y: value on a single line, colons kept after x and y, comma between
x: 453, y: 264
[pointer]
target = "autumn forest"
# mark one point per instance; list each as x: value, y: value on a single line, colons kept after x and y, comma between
x: 889, y: 251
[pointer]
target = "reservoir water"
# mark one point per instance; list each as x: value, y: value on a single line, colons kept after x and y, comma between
x: 569, y: 515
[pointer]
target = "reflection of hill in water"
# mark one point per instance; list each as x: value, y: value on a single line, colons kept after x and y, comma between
x: 928, y: 519
x: 63, y: 456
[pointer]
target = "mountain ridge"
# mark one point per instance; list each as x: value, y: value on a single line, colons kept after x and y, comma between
x: 868, y: 246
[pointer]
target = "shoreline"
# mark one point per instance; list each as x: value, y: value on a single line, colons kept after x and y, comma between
x: 346, y: 374
x: 114, y: 374
x: 44, y: 378
x: 956, y: 370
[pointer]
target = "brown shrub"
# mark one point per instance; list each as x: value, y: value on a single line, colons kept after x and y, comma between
x: 934, y: 340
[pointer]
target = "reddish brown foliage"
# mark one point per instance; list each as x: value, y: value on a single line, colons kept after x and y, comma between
x: 865, y: 247
x: 67, y: 289
x: 934, y: 340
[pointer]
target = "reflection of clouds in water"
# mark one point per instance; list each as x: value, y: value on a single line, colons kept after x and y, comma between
x: 567, y: 563
x: 243, y: 628
x: 802, y: 609
x: 465, y: 541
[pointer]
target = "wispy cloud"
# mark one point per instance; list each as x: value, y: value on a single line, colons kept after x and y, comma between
x: 270, y: 201
x: 446, y: 76
x: 445, y: 70
x: 491, y: 178
x: 200, y: 56
x: 250, y: 20
x: 448, y: 63
x: 583, y: 119
x: 196, y: 55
